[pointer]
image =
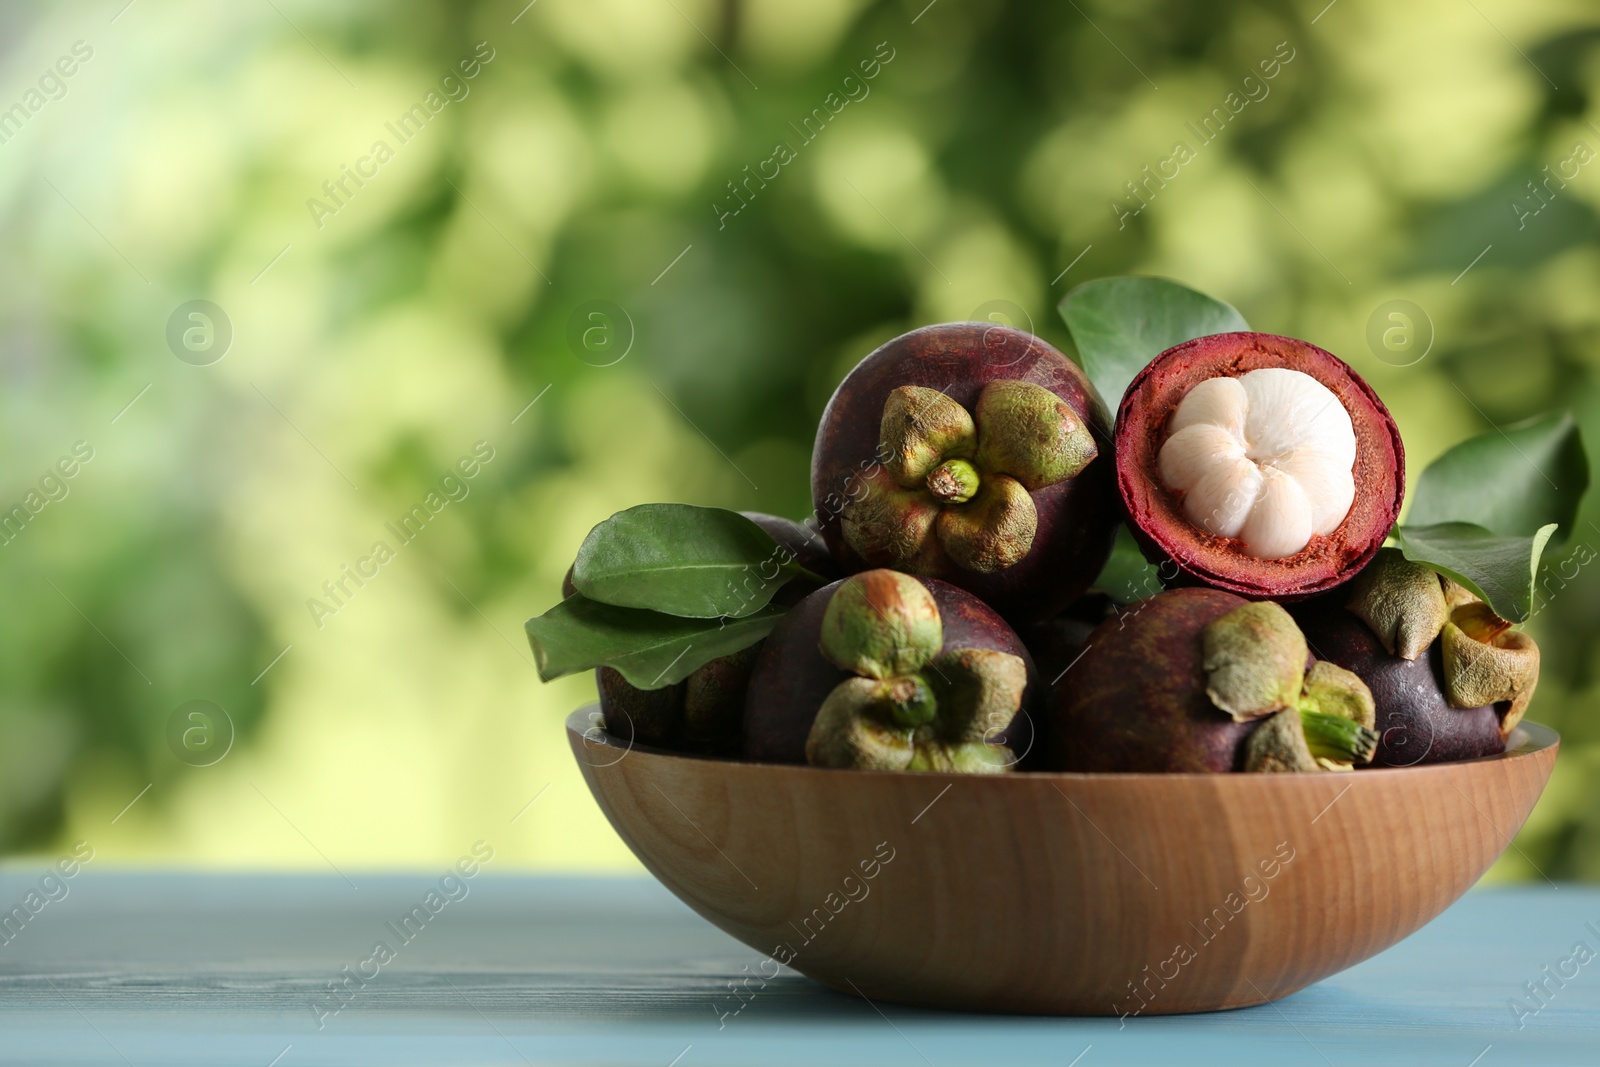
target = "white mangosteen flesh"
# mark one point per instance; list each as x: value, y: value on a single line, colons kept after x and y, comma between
x: 1267, y: 458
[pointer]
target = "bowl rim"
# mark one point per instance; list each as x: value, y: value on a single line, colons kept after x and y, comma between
x: 586, y: 726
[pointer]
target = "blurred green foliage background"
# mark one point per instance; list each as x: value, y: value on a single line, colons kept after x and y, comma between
x: 981, y: 170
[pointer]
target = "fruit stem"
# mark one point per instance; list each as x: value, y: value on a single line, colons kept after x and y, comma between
x: 910, y: 700
x: 1337, y: 738
x: 955, y: 481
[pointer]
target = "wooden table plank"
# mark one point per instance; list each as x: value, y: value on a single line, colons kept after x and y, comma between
x: 225, y: 969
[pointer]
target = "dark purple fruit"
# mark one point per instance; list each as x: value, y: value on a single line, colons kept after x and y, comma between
x: 1136, y: 700
x: 975, y: 454
x: 803, y: 540
x: 646, y: 716
x: 1056, y: 643
x: 1415, y: 723
x: 700, y: 714
x: 916, y: 673
x: 1199, y: 680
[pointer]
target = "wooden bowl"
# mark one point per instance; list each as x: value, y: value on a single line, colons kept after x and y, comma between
x: 1069, y: 894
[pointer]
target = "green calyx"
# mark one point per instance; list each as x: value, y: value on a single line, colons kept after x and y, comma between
x: 851, y: 730
x: 1339, y: 717
x: 1279, y: 746
x: 993, y: 531
x: 1332, y: 690
x: 881, y: 624
x: 955, y: 481
x: 1314, y: 719
x: 1027, y: 432
x: 909, y: 708
x: 962, y: 757
x: 1255, y: 660
x: 909, y: 700
x: 919, y: 430
x: 955, y: 488
x: 1402, y: 603
x: 1484, y: 661
x: 1337, y: 739
x: 1304, y: 740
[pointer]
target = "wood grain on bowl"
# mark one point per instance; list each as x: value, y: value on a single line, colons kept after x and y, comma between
x: 1075, y: 894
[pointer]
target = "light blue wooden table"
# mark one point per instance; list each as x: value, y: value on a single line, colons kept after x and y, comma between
x: 164, y: 969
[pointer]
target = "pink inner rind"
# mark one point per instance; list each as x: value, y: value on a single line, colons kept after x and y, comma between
x: 1165, y: 532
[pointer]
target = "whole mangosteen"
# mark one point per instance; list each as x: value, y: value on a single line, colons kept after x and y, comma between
x: 887, y: 671
x: 1200, y: 680
x: 972, y: 453
x: 1238, y: 459
x: 701, y: 714
x: 1449, y: 678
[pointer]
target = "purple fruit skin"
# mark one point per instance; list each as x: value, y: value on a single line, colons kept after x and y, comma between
x: 792, y: 678
x: 1136, y: 700
x: 713, y: 703
x: 1416, y: 725
x: 642, y: 716
x: 1077, y: 518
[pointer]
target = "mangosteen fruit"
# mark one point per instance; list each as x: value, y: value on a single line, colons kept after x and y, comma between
x: 1200, y: 680
x: 645, y: 716
x: 1238, y: 458
x: 887, y: 671
x: 700, y: 714
x: 1449, y: 678
x: 972, y: 453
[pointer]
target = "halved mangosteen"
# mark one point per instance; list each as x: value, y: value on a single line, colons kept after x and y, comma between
x: 1258, y: 464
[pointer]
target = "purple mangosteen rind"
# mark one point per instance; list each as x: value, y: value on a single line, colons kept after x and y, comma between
x: 1479, y: 659
x: 1136, y: 699
x: 1164, y: 532
x: 1200, y: 680
x: 1058, y: 641
x: 703, y: 714
x: 651, y: 717
x: 1073, y: 523
x: 713, y: 703
x: 1416, y: 724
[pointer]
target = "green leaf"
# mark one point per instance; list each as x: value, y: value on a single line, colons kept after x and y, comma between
x: 700, y: 563
x: 1121, y: 324
x: 650, y: 649
x: 1500, y: 568
x: 1510, y: 481
x: 1127, y: 575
